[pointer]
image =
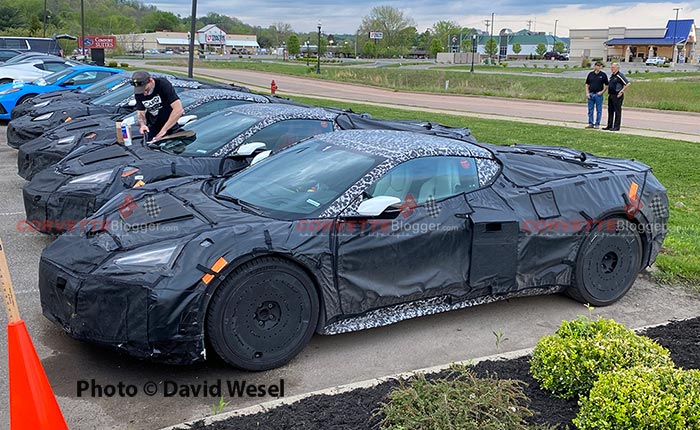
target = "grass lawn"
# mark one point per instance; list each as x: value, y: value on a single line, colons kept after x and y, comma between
x: 648, y: 90
x: 674, y: 163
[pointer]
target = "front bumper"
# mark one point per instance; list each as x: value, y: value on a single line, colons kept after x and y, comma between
x: 121, y: 315
x: 32, y: 159
x: 54, y: 211
x: 22, y: 130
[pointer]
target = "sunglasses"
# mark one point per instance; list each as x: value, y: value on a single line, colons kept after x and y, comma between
x: 138, y: 83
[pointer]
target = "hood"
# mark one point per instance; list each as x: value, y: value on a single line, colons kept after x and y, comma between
x: 92, y: 159
x: 570, y: 154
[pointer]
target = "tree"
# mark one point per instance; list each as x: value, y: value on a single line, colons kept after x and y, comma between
x: 517, y: 48
x: 435, y: 47
x: 444, y: 31
x: 11, y: 17
x: 280, y: 32
x: 559, y: 47
x: 293, y: 45
x: 541, y: 49
x: 158, y: 20
x: 467, y: 45
x: 392, y: 23
x: 369, y: 50
x: 491, y: 47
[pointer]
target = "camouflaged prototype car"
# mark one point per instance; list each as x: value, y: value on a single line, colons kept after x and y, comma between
x: 347, y: 231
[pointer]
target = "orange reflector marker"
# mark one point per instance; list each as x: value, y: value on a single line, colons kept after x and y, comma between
x: 68, y: 119
x: 216, y: 268
x: 632, y: 192
x: 129, y: 172
x: 139, y: 183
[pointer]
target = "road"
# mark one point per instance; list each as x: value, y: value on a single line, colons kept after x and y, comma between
x: 326, y: 362
x: 642, y: 122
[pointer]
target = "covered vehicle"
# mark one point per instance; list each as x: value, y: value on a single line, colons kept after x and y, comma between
x: 120, y: 101
x: 99, y: 130
x: 219, y: 144
x: 72, y: 78
x: 347, y: 231
x: 72, y: 96
x: 35, y: 67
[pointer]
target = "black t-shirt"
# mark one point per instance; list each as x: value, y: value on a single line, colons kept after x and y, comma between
x: 617, y: 83
x: 157, y: 104
x: 596, y: 81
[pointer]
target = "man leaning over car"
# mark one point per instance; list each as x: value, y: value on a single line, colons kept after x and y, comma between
x: 158, y: 106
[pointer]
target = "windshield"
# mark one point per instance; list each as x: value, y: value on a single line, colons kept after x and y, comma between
x: 300, y: 182
x: 54, y: 77
x: 111, y: 83
x: 24, y: 57
x: 114, y: 97
x: 211, y: 133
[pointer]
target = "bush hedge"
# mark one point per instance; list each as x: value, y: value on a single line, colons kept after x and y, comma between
x: 642, y: 398
x: 568, y: 362
x: 461, y: 401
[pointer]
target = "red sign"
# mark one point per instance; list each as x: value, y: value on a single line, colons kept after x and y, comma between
x: 98, y: 42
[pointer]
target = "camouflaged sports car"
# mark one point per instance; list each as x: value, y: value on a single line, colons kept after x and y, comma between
x: 99, y: 130
x: 347, y: 231
x: 120, y: 101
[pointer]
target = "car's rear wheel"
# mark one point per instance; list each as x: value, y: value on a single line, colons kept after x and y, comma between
x: 263, y: 314
x: 607, y: 264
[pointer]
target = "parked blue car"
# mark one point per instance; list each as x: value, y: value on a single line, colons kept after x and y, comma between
x: 70, y: 78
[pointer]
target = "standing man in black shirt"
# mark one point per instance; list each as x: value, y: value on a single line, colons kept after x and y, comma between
x: 596, y: 83
x: 157, y: 105
x: 616, y: 89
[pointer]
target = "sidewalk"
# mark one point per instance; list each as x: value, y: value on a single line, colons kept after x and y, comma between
x: 636, y: 121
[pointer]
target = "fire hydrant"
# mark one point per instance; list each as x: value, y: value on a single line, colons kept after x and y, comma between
x: 273, y: 87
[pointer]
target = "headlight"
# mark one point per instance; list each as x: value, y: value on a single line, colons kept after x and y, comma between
x: 42, y: 104
x: 43, y: 117
x: 9, y: 91
x: 41, y: 82
x: 66, y: 140
x: 160, y: 257
x: 92, y: 178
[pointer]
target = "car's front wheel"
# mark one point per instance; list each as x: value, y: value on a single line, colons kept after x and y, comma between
x: 607, y: 264
x: 263, y: 314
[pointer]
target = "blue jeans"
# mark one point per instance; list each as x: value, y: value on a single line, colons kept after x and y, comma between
x: 597, y: 101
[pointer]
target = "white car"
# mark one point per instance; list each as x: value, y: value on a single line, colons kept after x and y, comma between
x: 655, y: 61
x: 34, y: 68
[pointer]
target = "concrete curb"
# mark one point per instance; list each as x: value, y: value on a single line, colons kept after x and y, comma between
x: 272, y: 404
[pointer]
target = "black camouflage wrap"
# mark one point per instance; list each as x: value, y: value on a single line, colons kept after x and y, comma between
x: 99, y: 130
x: 491, y: 248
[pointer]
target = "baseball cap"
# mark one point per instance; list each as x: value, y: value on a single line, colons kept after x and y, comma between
x: 598, y: 63
x: 139, y: 79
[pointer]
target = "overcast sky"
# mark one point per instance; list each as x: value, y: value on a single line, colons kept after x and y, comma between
x: 346, y: 16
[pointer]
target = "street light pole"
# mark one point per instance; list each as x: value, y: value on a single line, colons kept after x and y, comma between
x: 674, y: 56
x: 493, y: 15
x: 307, y: 53
x: 193, y: 29
x: 318, y: 55
x: 284, y: 51
x: 143, y: 51
x: 82, y: 28
x: 44, y: 19
x: 474, y: 41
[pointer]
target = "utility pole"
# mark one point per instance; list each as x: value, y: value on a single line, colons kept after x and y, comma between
x: 82, y: 29
x: 488, y: 23
x: 555, y: 29
x: 529, y: 25
x: 193, y: 29
x: 493, y: 14
x: 44, y: 19
x: 674, y: 57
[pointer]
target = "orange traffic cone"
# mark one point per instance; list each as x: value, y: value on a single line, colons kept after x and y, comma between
x: 33, y: 405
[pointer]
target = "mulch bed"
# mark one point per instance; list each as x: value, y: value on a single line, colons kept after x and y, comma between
x: 356, y: 410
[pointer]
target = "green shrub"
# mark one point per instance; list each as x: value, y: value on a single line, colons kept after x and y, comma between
x: 646, y: 70
x: 642, y: 398
x: 534, y: 66
x: 504, y: 64
x: 585, y: 63
x: 112, y: 64
x: 568, y: 362
x: 462, y: 401
x: 124, y: 65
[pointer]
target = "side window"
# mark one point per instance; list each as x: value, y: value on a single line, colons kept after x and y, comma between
x: 421, y: 179
x: 213, y: 106
x: 54, y: 67
x: 282, y: 134
x: 39, y: 66
x: 85, y: 78
x: 6, y: 55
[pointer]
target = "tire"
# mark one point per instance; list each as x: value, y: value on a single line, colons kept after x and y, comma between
x: 5, y: 81
x: 607, y: 263
x: 263, y: 314
x: 24, y: 99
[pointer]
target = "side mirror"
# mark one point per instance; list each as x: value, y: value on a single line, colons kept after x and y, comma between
x: 67, y: 83
x: 260, y: 157
x: 248, y: 149
x: 377, y: 205
x: 186, y: 119
x: 131, y: 103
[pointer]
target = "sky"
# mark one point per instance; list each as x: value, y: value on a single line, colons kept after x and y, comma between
x: 339, y: 17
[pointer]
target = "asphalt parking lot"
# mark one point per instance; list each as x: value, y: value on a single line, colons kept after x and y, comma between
x: 327, y: 361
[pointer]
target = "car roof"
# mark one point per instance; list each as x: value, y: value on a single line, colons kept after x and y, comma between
x: 392, y: 144
x: 283, y: 111
x: 206, y: 94
x: 95, y: 68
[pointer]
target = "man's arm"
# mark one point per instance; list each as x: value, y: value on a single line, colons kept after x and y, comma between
x: 141, y: 119
x: 175, y: 115
x: 588, y: 91
x: 625, y: 81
